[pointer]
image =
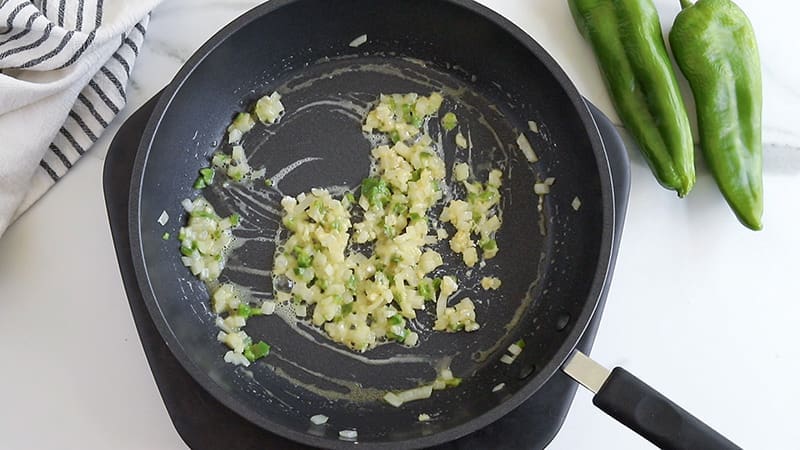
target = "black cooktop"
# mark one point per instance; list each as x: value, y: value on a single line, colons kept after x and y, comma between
x: 199, y: 418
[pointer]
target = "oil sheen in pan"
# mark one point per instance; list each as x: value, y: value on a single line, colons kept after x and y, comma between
x: 260, y: 208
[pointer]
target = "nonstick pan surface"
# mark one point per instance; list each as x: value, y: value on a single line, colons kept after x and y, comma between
x: 553, y: 263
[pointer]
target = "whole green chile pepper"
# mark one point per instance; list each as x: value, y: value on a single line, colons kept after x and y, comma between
x: 715, y: 47
x: 627, y: 41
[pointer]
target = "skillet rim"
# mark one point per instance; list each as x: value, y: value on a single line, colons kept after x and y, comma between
x: 599, y: 280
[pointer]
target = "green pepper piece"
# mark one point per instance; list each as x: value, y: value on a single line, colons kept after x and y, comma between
x: 247, y: 311
x: 351, y: 199
x: 489, y: 245
x: 256, y: 351
x: 449, y: 121
x: 408, y: 115
x: 347, y: 308
x: 426, y: 289
x: 199, y: 183
x: 303, y: 258
x: 715, y: 48
x: 208, y: 175
x: 630, y: 50
x: 396, y: 319
x: 376, y: 191
x: 398, y: 337
x: 165, y: 236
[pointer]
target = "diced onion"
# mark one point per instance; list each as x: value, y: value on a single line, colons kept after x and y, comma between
x: 319, y: 419
x: 506, y: 359
x: 393, y: 399
x: 163, y: 218
x: 236, y: 359
x: 424, y: 417
x: 348, y: 434
x: 526, y: 148
x: 418, y: 393
x: 498, y: 387
x: 514, y: 349
x: 461, y: 171
x: 187, y: 205
x: 576, y: 203
x: 533, y: 126
x: 541, y: 189
x: 461, y: 141
x: 268, y: 308
x: 234, y: 136
x: 361, y: 40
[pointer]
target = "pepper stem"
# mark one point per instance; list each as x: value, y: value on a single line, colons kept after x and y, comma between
x: 686, y: 3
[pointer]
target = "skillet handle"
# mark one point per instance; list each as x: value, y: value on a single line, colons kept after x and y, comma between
x: 643, y: 409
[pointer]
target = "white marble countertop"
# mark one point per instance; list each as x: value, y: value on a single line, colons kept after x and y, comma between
x: 700, y: 307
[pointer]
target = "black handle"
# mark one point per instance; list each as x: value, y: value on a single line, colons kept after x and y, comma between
x: 645, y: 411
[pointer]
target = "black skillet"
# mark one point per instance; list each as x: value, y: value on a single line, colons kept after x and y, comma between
x: 497, y: 79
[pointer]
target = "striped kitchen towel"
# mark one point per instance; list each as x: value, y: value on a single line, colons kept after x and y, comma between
x: 64, y: 67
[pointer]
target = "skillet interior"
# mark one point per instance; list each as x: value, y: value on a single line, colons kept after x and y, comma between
x: 499, y: 78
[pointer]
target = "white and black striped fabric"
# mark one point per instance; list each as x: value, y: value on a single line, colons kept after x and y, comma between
x: 64, y: 68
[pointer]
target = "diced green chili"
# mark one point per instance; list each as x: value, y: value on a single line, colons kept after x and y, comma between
x: 289, y: 223
x: 408, y: 115
x: 165, y: 236
x: 376, y: 191
x: 347, y: 308
x: 256, y: 351
x: 488, y: 195
x: 398, y: 337
x: 396, y: 319
x: 449, y: 121
x: 245, y: 310
x: 303, y: 258
x: 388, y: 230
x: 426, y: 289
x: 489, y: 244
x: 208, y: 175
